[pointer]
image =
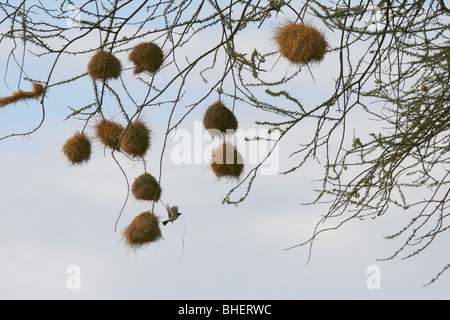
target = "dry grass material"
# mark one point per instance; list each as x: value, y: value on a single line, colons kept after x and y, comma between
x: 78, y: 149
x: 300, y: 43
x: 218, y: 117
x: 143, y: 230
x: 109, y: 133
x: 227, y: 162
x: 146, y: 56
x: 104, y: 66
x: 38, y: 91
x: 136, y: 139
x: 145, y: 187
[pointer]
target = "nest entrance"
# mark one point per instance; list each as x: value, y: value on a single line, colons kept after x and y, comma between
x: 146, y: 56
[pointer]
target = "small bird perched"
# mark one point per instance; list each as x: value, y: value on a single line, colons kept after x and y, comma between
x: 173, y: 214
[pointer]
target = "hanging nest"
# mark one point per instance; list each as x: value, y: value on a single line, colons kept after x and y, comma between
x: 136, y: 139
x: 78, y: 149
x: 218, y: 117
x: 146, y: 56
x: 300, y: 43
x: 145, y: 187
x: 104, y: 66
x: 109, y: 133
x: 143, y: 230
x: 227, y: 162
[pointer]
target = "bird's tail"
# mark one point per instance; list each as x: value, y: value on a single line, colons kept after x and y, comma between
x: 165, y: 222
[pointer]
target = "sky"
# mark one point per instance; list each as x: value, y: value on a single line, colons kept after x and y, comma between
x: 57, y: 218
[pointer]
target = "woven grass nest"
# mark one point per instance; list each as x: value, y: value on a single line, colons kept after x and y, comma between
x: 300, y: 43
x: 143, y: 230
x: 136, y: 139
x: 227, y: 162
x: 78, y: 149
x: 219, y: 118
x: 38, y: 91
x: 104, y: 66
x: 145, y: 187
x: 146, y: 56
x: 109, y: 133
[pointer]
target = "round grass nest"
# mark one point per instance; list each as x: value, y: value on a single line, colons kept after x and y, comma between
x: 78, y: 149
x: 227, y: 162
x: 109, y: 133
x: 146, y: 56
x: 145, y: 187
x: 300, y: 43
x: 218, y: 117
x: 136, y: 139
x: 143, y: 230
x: 104, y: 66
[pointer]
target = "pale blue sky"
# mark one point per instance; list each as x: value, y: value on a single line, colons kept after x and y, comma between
x: 55, y: 215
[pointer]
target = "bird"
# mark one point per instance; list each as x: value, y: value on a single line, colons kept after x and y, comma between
x: 173, y: 214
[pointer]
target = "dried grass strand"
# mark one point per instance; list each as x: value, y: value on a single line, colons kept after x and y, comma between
x: 38, y: 91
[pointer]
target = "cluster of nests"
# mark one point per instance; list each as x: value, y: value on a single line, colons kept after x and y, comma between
x: 299, y: 43
x: 226, y: 161
x: 144, y: 228
x: 146, y: 56
x: 134, y: 140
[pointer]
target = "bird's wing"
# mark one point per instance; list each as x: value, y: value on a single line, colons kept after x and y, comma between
x: 169, y: 211
x: 174, y: 210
